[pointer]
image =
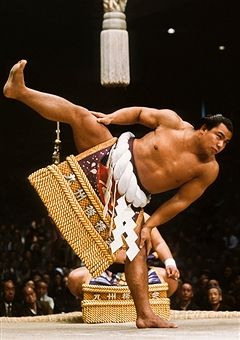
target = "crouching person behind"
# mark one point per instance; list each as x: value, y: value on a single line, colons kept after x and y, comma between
x: 169, y: 274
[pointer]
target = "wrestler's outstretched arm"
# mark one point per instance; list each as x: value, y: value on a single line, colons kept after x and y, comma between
x: 186, y: 195
x: 146, y: 116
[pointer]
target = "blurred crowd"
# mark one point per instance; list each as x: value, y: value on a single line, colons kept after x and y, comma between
x: 35, y: 260
x: 34, y: 264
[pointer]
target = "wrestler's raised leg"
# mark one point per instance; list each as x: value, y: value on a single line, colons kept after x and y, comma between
x: 86, y: 130
x: 137, y: 280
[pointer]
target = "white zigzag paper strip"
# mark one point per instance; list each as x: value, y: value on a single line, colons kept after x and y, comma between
x: 124, y: 225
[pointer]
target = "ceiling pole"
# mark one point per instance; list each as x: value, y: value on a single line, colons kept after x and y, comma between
x: 114, y: 45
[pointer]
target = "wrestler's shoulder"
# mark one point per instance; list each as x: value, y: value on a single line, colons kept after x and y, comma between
x: 176, y: 122
x: 210, y: 170
x: 186, y: 125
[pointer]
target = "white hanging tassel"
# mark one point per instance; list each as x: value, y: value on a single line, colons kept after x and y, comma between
x: 114, y: 45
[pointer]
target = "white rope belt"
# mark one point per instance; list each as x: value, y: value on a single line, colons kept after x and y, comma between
x: 121, y: 170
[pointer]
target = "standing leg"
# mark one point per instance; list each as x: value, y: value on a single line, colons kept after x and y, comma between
x: 137, y: 280
x: 87, y: 131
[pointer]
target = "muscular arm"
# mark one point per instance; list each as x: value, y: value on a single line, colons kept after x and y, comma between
x: 149, y: 117
x: 186, y: 195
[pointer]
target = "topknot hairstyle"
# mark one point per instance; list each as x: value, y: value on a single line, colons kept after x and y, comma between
x: 210, y: 121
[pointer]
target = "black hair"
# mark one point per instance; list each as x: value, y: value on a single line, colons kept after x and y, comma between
x: 210, y: 121
x: 216, y: 287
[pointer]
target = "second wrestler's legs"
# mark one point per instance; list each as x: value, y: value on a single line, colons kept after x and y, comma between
x: 78, y: 277
x: 87, y: 131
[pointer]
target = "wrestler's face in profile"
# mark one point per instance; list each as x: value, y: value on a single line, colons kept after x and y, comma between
x: 215, y: 140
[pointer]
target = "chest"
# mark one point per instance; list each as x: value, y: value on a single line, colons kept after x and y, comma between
x: 181, y: 165
x: 177, y: 168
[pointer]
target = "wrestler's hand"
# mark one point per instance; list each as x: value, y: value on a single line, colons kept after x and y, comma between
x: 145, y: 239
x: 102, y: 117
x: 172, y: 272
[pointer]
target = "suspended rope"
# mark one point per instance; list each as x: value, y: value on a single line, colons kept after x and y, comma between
x: 114, y: 45
x: 57, y: 143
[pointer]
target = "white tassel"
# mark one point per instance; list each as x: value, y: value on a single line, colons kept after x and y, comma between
x: 115, y: 70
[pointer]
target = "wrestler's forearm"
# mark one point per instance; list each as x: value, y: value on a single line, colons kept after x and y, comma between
x: 185, y: 196
x: 126, y: 116
x: 149, y: 117
x: 165, y: 213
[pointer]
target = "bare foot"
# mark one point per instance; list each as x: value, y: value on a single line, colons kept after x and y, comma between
x: 154, y: 322
x: 15, y: 82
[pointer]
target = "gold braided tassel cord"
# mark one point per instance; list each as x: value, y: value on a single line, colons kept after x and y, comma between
x: 104, y: 304
x: 76, y: 209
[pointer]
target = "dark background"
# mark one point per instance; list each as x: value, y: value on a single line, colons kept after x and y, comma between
x: 185, y: 72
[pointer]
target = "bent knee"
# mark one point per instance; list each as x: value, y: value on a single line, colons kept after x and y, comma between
x: 75, y: 282
x: 87, y: 131
x: 76, y: 279
x: 71, y: 276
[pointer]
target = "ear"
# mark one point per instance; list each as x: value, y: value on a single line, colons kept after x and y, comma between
x: 203, y: 128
